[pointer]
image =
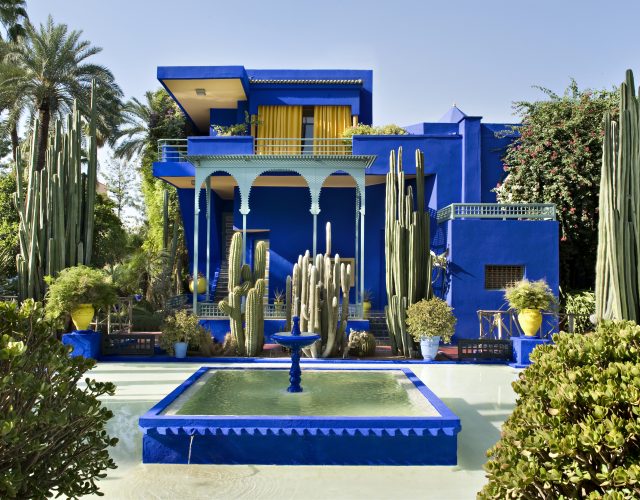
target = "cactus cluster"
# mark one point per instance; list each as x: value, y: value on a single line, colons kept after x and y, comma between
x: 318, y: 292
x: 248, y: 284
x: 56, y: 207
x: 407, y: 250
x: 617, y: 270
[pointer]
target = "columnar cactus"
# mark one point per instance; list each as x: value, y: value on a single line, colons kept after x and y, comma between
x: 617, y: 270
x: 250, y: 284
x: 407, y: 250
x: 56, y: 207
x: 320, y: 297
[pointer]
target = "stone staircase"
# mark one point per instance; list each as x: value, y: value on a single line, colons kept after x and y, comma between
x: 223, y: 277
x: 378, y: 327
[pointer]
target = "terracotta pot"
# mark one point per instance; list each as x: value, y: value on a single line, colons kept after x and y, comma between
x: 82, y: 316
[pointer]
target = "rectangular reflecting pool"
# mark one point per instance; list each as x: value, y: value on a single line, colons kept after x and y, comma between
x: 246, y: 416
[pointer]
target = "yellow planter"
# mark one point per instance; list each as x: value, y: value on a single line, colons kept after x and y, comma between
x: 530, y: 321
x: 202, y: 285
x: 82, y: 316
x: 366, y: 307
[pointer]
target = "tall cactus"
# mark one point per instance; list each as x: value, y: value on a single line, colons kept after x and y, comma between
x: 407, y: 250
x: 320, y: 297
x: 245, y: 283
x: 617, y: 269
x: 56, y: 207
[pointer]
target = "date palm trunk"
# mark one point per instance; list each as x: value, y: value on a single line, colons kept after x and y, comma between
x: 44, y: 114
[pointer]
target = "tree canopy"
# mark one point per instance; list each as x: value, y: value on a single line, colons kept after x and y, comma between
x: 556, y: 158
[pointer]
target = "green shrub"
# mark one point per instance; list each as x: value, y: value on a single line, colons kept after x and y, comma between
x: 575, y: 431
x: 582, y: 305
x: 362, y: 129
x: 361, y: 343
x: 431, y: 318
x: 182, y: 327
x: 52, y: 431
x: 527, y: 294
x: 78, y: 285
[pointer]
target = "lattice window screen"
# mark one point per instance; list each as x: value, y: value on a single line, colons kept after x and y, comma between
x: 499, y: 277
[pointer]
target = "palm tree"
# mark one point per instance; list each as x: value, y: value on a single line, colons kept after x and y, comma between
x: 12, y: 14
x: 54, y: 73
x: 134, y: 131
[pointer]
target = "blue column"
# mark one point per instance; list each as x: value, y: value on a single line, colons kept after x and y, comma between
x: 469, y: 129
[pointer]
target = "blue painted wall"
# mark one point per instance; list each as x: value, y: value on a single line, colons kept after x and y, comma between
x: 473, y: 244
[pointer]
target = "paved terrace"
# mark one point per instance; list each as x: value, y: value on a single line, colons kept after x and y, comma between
x: 481, y: 395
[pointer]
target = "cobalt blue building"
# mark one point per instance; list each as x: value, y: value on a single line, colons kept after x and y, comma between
x: 294, y: 173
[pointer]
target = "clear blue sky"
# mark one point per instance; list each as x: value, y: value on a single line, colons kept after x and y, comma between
x: 425, y: 55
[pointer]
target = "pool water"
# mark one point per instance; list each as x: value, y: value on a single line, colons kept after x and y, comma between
x: 326, y: 393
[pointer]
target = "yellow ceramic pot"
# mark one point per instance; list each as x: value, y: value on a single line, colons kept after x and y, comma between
x: 82, y: 316
x: 202, y: 285
x: 530, y: 321
x: 366, y: 307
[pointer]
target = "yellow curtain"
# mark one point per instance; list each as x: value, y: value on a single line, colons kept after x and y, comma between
x: 276, y: 123
x: 328, y: 123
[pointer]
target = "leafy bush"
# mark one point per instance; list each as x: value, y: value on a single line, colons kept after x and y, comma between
x: 181, y: 327
x: 362, y: 129
x: 582, y: 305
x: 575, y: 431
x: 78, y: 285
x: 52, y: 431
x: 431, y: 318
x: 556, y: 157
x: 361, y: 343
x: 527, y: 294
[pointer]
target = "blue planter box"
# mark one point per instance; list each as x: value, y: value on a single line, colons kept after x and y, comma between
x: 522, y: 348
x: 85, y: 343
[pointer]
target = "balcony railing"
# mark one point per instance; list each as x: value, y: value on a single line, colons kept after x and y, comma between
x: 172, y: 149
x: 271, y: 311
x: 175, y: 150
x: 303, y: 147
x: 539, y: 211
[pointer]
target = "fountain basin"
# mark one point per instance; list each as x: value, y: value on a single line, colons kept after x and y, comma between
x: 344, y: 417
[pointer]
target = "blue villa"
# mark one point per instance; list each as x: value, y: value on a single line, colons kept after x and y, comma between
x: 294, y: 173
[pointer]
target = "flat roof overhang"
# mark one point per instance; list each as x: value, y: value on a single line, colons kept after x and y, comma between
x: 223, y: 87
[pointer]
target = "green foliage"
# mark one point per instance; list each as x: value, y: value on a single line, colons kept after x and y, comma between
x: 78, y: 285
x: 362, y: 129
x: 52, y: 429
x: 8, y: 228
x: 110, y: 237
x: 582, y: 305
x: 181, y: 327
x: 527, y: 294
x: 431, y: 318
x: 557, y: 158
x: 238, y: 128
x: 361, y: 343
x: 575, y: 431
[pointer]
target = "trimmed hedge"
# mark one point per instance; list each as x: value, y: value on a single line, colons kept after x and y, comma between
x: 575, y: 431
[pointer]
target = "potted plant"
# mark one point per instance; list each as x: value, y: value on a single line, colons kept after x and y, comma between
x: 367, y: 296
x: 278, y: 301
x: 178, y: 331
x: 528, y: 298
x: 78, y: 291
x: 202, y: 284
x: 428, y: 322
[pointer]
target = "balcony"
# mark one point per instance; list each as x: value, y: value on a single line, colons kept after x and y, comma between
x: 176, y: 150
x: 504, y: 211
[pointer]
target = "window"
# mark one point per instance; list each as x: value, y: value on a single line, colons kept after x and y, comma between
x: 499, y: 277
x: 307, y: 130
